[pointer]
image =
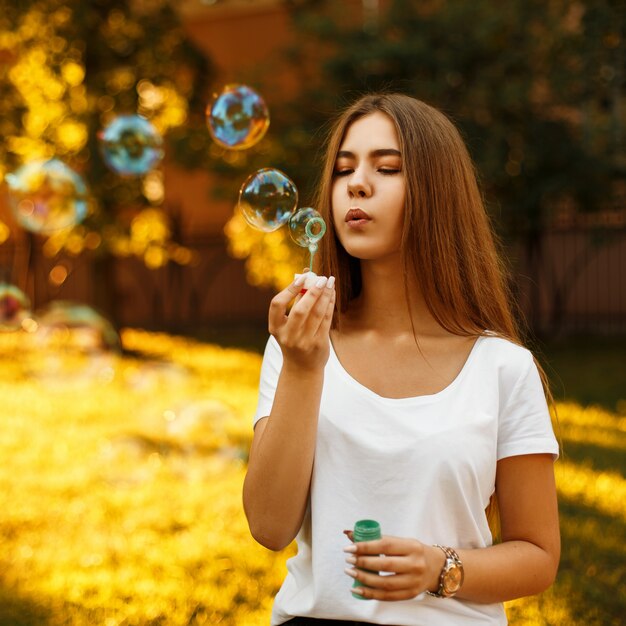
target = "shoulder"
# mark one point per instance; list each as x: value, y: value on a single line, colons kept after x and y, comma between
x: 505, y: 349
x: 510, y: 360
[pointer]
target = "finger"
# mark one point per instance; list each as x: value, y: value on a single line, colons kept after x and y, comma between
x: 381, y: 563
x: 280, y: 302
x: 298, y: 322
x: 387, y: 596
x: 349, y: 534
x: 327, y: 319
x: 309, y: 300
x: 394, y: 582
x: 320, y: 309
x: 388, y: 545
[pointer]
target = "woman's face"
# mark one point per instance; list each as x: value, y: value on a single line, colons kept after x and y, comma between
x: 368, y: 191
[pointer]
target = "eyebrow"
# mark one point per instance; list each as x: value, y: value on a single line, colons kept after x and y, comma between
x: 345, y: 154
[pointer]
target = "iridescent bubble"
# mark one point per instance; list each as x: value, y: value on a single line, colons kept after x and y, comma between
x: 131, y: 145
x: 238, y: 117
x: 268, y: 199
x: 14, y: 307
x: 74, y: 345
x: 306, y: 227
x: 46, y: 196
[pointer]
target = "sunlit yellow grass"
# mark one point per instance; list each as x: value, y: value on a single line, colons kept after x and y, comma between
x: 120, y: 501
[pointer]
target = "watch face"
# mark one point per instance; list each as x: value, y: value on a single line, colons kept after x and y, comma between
x: 452, y: 579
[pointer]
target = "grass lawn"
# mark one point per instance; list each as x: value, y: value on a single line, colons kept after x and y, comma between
x: 121, y: 500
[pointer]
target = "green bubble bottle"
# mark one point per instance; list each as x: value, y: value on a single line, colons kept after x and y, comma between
x: 365, y: 530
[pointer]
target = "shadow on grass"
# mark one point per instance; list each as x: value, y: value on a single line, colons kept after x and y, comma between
x: 16, y: 610
x: 596, y: 457
x: 588, y: 370
x: 592, y: 574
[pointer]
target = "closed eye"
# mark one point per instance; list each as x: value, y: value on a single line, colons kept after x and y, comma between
x: 343, y: 172
x: 388, y: 171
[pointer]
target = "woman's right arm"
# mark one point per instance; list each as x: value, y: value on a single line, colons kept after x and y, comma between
x: 276, y: 487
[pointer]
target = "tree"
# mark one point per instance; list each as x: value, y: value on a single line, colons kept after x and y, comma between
x: 67, y: 68
x: 535, y: 86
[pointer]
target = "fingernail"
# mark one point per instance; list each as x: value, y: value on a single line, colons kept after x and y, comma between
x: 358, y: 590
x: 350, y: 572
x: 299, y: 280
x: 331, y: 282
x: 350, y: 549
x: 351, y: 560
x: 321, y: 281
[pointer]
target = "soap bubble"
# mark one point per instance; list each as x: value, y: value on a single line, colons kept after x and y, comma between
x: 267, y: 199
x: 14, y: 307
x: 237, y: 118
x: 131, y: 145
x: 74, y: 345
x: 46, y: 196
x: 307, y: 227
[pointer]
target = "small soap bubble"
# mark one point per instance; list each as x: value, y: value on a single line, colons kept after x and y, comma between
x: 14, y: 307
x: 267, y: 199
x: 238, y: 117
x: 131, y: 145
x: 46, y: 196
x: 75, y: 345
x: 307, y: 227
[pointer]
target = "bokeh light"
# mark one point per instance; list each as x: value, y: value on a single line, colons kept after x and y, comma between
x: 267, y: 199
x: 14, y: 307
x: 131, y: 145
x: 46, y: 196
x: 238, y: 117
x: 74, y: 344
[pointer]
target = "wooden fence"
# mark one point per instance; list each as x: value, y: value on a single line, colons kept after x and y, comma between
x: 572, y: 280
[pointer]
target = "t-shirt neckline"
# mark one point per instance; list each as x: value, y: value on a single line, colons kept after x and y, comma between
x: 421, y: 399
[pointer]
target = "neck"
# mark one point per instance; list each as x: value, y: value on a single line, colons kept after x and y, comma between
x: 382, y: 304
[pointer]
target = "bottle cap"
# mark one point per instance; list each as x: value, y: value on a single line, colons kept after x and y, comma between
x: 367, y: 530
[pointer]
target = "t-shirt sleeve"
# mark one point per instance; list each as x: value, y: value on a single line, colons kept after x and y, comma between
x: 524, y: 424
x: 270, y: 371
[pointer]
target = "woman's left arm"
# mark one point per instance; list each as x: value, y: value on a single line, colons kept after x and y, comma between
x: 523, y: 564
x: 527, y: 559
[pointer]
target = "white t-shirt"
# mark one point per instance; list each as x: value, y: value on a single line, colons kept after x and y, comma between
x: 424, y: 467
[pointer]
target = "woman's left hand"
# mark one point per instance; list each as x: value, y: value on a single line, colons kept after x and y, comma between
x: 408, y: 567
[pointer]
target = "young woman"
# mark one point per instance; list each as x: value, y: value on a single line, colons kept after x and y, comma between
x: 401, y: 393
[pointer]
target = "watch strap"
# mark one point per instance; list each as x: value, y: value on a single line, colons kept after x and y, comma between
x: 452, y: 559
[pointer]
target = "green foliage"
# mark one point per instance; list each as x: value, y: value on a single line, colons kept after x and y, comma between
x: 530, y: 83
x: 68, y: 67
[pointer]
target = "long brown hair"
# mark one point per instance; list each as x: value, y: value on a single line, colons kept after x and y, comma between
x: 448, y: 242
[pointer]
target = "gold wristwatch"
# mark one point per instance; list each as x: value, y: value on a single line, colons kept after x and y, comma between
x: 451, y: 577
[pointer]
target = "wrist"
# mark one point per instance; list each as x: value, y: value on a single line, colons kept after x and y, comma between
x: 451, y: 576
x: 302, y: 372
x: 436, y: 560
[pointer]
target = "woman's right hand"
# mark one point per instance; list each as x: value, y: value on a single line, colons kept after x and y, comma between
x: 303, y: 334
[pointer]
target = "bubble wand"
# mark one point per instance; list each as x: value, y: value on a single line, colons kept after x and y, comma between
x: 307, y: 227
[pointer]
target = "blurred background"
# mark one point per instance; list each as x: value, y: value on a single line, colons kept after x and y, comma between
x: 131, y: 332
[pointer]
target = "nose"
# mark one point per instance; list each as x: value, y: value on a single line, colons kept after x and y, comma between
x: 358, y: 185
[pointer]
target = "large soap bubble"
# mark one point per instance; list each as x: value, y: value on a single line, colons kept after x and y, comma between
x: 46, y: 196
x: 131, y: 145
x: 237, y: 118
x: 14, y: 307
x: 267, y: 199
x: 74, y: 345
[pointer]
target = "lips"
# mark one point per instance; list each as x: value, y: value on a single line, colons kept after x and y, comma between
x: 356, y: 215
